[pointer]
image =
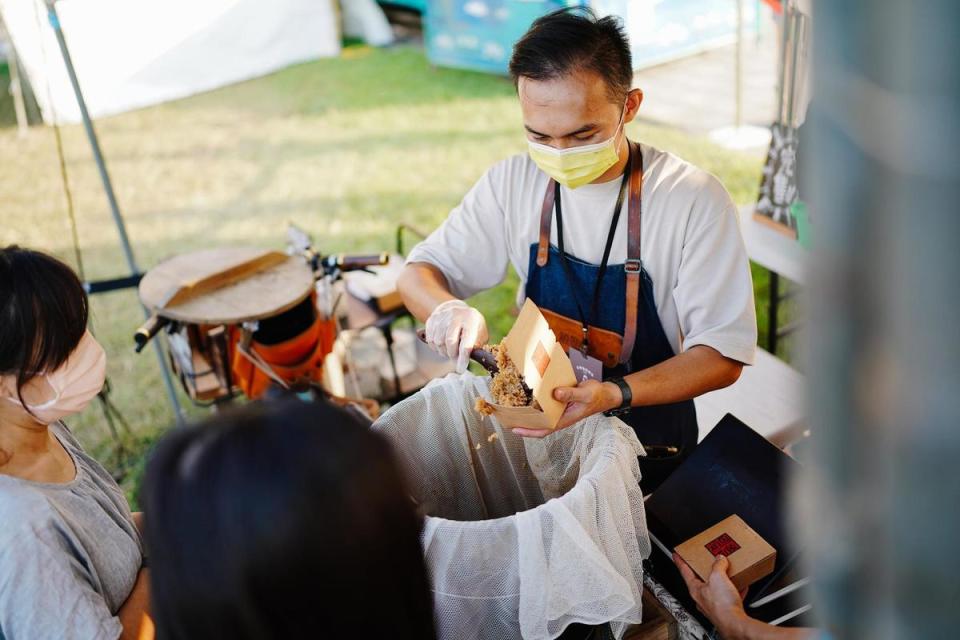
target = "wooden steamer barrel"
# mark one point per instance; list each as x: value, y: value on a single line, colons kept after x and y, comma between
x: 211, y: 293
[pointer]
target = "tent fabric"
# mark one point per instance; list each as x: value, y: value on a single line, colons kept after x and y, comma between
x: 134, y: 53
x: 365, y: 19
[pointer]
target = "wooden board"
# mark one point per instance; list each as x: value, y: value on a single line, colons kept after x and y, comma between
x: 771, y: 249
x: 657, y: 623
x: 186, y: 291
x: 263, y: 294
x: 768, y: 397
x: 205, y: 385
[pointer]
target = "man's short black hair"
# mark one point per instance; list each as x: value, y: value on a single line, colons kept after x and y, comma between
x: 571, y: 40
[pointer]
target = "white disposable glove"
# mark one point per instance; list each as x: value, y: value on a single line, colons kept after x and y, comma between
x: 454, y: 329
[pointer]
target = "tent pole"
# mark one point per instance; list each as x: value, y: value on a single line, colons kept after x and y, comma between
x: 16, y: 90
x: 738, y: 76
x: 108, y: 188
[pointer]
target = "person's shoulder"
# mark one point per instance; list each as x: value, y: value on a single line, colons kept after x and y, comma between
x: 682, y: 178
x: 26, y: 513
x: 511, y: 182
x: 515, y: 169
x: 66, y: 437
x: 691, y: 197
x: 80, y: 457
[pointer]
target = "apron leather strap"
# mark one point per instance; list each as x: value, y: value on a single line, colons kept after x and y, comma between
x: 632, y: 265
x: 546, y: 219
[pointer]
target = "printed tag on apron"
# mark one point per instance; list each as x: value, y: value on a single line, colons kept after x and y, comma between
x: 585, y: 367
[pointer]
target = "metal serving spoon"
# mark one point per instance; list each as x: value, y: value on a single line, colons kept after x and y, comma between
x: 483, y: 357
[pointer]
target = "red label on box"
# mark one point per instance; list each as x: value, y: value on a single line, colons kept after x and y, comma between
x: 722, y: 545
x: 541, y: 359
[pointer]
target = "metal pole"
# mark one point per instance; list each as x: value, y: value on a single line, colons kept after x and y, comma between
x: 16, y: 90
x: 756, y: 22
x: 773, y: 311
x: 738, y: 117
x: 108, y: 188
x: 785, y: 27
x: 797, y: 33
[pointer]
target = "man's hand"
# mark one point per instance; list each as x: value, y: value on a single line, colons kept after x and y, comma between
x: 584, y: 400
x: 454, y: 329
x: 716, y: 598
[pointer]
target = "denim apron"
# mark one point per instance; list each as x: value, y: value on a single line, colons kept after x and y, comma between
x: 657, y: 426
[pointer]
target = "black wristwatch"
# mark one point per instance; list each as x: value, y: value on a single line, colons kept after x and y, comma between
x: 627, y: 394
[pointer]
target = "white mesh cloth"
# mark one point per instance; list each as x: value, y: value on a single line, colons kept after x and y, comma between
x: 523, y: 536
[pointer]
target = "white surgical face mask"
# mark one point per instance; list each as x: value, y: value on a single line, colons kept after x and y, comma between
x: 53, y: 395
x: 577, y: 166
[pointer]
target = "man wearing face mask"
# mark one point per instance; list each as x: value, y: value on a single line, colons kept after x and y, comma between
x: 634, y: 256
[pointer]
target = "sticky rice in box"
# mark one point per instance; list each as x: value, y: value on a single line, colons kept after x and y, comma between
x: 532, y: 364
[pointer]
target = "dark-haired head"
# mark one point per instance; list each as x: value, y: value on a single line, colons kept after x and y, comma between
x: 572, y: 40
x: 283, y: 519
x: 573, y: 76
x: 43, y: 313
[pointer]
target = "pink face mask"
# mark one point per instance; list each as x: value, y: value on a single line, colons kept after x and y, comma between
x: 67, y: 390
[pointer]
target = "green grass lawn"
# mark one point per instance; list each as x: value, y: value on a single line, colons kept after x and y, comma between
x: 347, y: 148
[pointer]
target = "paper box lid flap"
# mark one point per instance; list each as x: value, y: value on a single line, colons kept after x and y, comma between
x: 533, y: 347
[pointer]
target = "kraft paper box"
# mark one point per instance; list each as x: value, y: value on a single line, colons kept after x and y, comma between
x: 544, y: 364
x: 751, y: 557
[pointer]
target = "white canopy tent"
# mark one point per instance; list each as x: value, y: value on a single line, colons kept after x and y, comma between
x: 133, y: 53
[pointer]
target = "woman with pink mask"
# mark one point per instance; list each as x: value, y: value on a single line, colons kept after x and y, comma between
x: 71, y: 555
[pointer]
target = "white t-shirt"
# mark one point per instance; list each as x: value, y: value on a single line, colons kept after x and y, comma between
x: 690, y: 244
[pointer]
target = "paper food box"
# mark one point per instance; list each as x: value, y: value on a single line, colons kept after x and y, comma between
x: 544, y: 365
x: 751, y: 557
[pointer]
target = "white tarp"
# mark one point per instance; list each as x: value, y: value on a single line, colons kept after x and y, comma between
x: 133, y: 53
x: 365, y: 19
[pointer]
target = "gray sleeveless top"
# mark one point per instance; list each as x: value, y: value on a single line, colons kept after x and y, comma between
x: 69, y: 553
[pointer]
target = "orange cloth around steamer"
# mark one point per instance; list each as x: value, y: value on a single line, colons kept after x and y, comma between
x: 299, y: 358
